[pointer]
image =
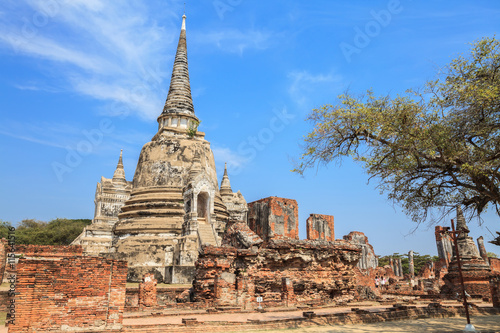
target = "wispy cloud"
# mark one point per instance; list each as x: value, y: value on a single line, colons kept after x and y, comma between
x: 47, y: 134
x: 303, y: 84
x: 115, y: 52
x: 71, y: 137
x: 225, y: 155
x: 36, y: 87
x: 236, y: 41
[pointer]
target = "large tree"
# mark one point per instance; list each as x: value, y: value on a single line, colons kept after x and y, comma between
x: 431, y: 149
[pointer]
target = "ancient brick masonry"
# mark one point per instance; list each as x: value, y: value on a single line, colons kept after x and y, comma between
x: 315, y: 271
x: 494, y: 265
x: 49, y: 251
x: 476, y: 272
x: 273, y: 216
x: 54, y: 252
x: 147, y: 291
x: 320, y: 227
x: 368, y: 258
x: 495, y: 291
x: 71, y: 294
x: 444, y: 245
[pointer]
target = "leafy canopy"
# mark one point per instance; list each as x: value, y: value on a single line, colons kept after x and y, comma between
x: 55, y: 232
x: 434, y: 148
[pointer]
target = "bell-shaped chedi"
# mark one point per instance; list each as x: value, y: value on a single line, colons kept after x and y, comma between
x: 175, y: 205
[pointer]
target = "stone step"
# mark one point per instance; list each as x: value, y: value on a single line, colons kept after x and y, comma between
x: 206, y: 234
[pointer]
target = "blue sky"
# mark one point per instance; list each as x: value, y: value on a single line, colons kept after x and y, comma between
x: 82, y: 79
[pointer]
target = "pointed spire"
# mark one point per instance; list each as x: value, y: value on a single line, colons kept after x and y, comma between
x: 179, y: 98
x: 225, y: 185
x: 461, y: 223
x: 119, y: 175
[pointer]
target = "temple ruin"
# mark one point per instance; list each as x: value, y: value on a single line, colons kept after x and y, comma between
x: 158, y: 222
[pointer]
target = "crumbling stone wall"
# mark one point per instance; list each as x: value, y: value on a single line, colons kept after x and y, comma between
x: 368, y: 258
x: 320, y: 227
x: 240, y: 236
x: 273, y: 216
x: 71, y: 294
x: 317, y: 270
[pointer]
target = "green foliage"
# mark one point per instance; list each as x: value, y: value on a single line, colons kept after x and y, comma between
x: 4, y: 228
x: 419, y: 261
x: 492, y: 255
x: 431, y: 149
x: 55, y: 232
x: 193, y: 128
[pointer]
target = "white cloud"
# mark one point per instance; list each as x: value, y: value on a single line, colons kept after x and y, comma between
x: 112, y: 51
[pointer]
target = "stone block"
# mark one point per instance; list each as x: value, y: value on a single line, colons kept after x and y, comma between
x: 320, y: 227
x: 273, y: 216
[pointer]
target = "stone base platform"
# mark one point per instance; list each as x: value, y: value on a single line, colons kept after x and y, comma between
x: 202, y: 321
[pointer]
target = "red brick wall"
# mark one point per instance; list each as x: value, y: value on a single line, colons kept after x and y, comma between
x: 274, y: 216
x: 320, y: 227
x: 495, y: 265
x: 49, y: 251
x: 69, y: 294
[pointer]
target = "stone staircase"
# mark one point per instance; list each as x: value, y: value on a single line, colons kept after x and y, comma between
x: 206, y: 233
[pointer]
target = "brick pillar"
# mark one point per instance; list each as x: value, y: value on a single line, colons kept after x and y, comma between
x: 396, y: 267
x: 400, y: 267
x: 287, y: 293
x: 391, y: 264
x: 495, y: 291
x: 147, y: 291
x: 411, y: 265
x: 482, y: 249
x: 245, y: 289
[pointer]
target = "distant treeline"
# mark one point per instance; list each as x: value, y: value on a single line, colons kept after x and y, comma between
x: 55, y: 232
x: 419, y: 261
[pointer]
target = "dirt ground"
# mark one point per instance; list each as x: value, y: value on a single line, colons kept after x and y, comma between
x: 484, y: 324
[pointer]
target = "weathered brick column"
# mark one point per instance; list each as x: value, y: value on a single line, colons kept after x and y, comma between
x: 411, y: 264
x: 495, y: 291
x: 287, y: 293
x: 147, y: 291
x: 245, y: 288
